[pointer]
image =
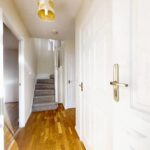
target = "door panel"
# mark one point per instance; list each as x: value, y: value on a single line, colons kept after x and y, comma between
x: 140, y: 54
x: 131, y: 38
x: 130, y: 46
x: 70, y: 77
x: 78, y: 61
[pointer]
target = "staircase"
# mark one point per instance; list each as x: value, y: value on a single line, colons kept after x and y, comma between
x: 44, y: 96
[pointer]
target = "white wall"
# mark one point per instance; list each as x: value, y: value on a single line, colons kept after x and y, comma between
x: 30, y: 72
x: 11, y: 73
x: 27, y: 78
x: 45, y: 58
x: 27, y: 59
x: 12, y: 19
x: 69, y: 73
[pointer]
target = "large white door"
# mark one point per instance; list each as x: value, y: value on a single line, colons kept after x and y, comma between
x: 131, y: 50
x: 1, y: 84
x: 118, y: 33
x: 93, y: 58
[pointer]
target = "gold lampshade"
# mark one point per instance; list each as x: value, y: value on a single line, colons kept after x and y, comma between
x: 46, y: 10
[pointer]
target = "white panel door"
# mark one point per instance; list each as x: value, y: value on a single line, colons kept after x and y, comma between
x: 1, y: 84
x: 78, y: 85
x: 70, y: 82
x: 131, y: 50
x: 94, y: 56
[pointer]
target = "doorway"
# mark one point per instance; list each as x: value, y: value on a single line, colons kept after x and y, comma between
x: 11, y: 85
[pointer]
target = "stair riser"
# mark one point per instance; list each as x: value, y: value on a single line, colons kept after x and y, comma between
x: 45, y: 81
x: 41, y: 93
x: 51, y: 76
x: 43, y: 108
x: 44, y: 86
x: 43, y: 99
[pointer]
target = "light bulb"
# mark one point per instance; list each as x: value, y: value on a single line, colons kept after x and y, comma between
x: 46, y: 12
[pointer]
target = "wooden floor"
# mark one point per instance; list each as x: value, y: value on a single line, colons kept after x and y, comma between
x: 50, y: 130
x: 11, y: 116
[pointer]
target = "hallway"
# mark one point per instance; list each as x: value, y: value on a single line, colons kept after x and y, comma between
x: 91, y: 59
x: 49, y: 130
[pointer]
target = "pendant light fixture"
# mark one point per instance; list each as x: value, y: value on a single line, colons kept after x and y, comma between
x: 46, y: 10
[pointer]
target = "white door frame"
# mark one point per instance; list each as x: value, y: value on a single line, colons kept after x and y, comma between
x: 21, y: 85
x: 3, y: 19
x: 1, y: 83
x: 69, y: 81
x: 20, y: 67
x: 56, y: 73
x: 79, y: 93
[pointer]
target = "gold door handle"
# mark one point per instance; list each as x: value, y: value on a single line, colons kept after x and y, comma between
x: 81, y: 86
x: 115, y: 83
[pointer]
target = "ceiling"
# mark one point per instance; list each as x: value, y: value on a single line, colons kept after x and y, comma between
x: 66, y: 11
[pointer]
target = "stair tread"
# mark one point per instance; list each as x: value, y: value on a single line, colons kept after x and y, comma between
x: 44, y: 104
x: 40, y: 88
x: 43, y: 101
x: 44, y: 96
x: 45, y: 80
x: 44, y: 90
x: 38, y: 96
x: 44, y: 107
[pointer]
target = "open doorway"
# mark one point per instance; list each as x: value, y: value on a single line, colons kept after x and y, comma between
x: 11, y: 85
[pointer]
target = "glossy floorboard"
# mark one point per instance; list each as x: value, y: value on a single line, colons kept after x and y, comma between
x: 11, y: 115
x: 50, y: 130
x: 11, y: 122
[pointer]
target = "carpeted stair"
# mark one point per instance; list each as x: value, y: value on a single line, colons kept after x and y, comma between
x: 44, y: 96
